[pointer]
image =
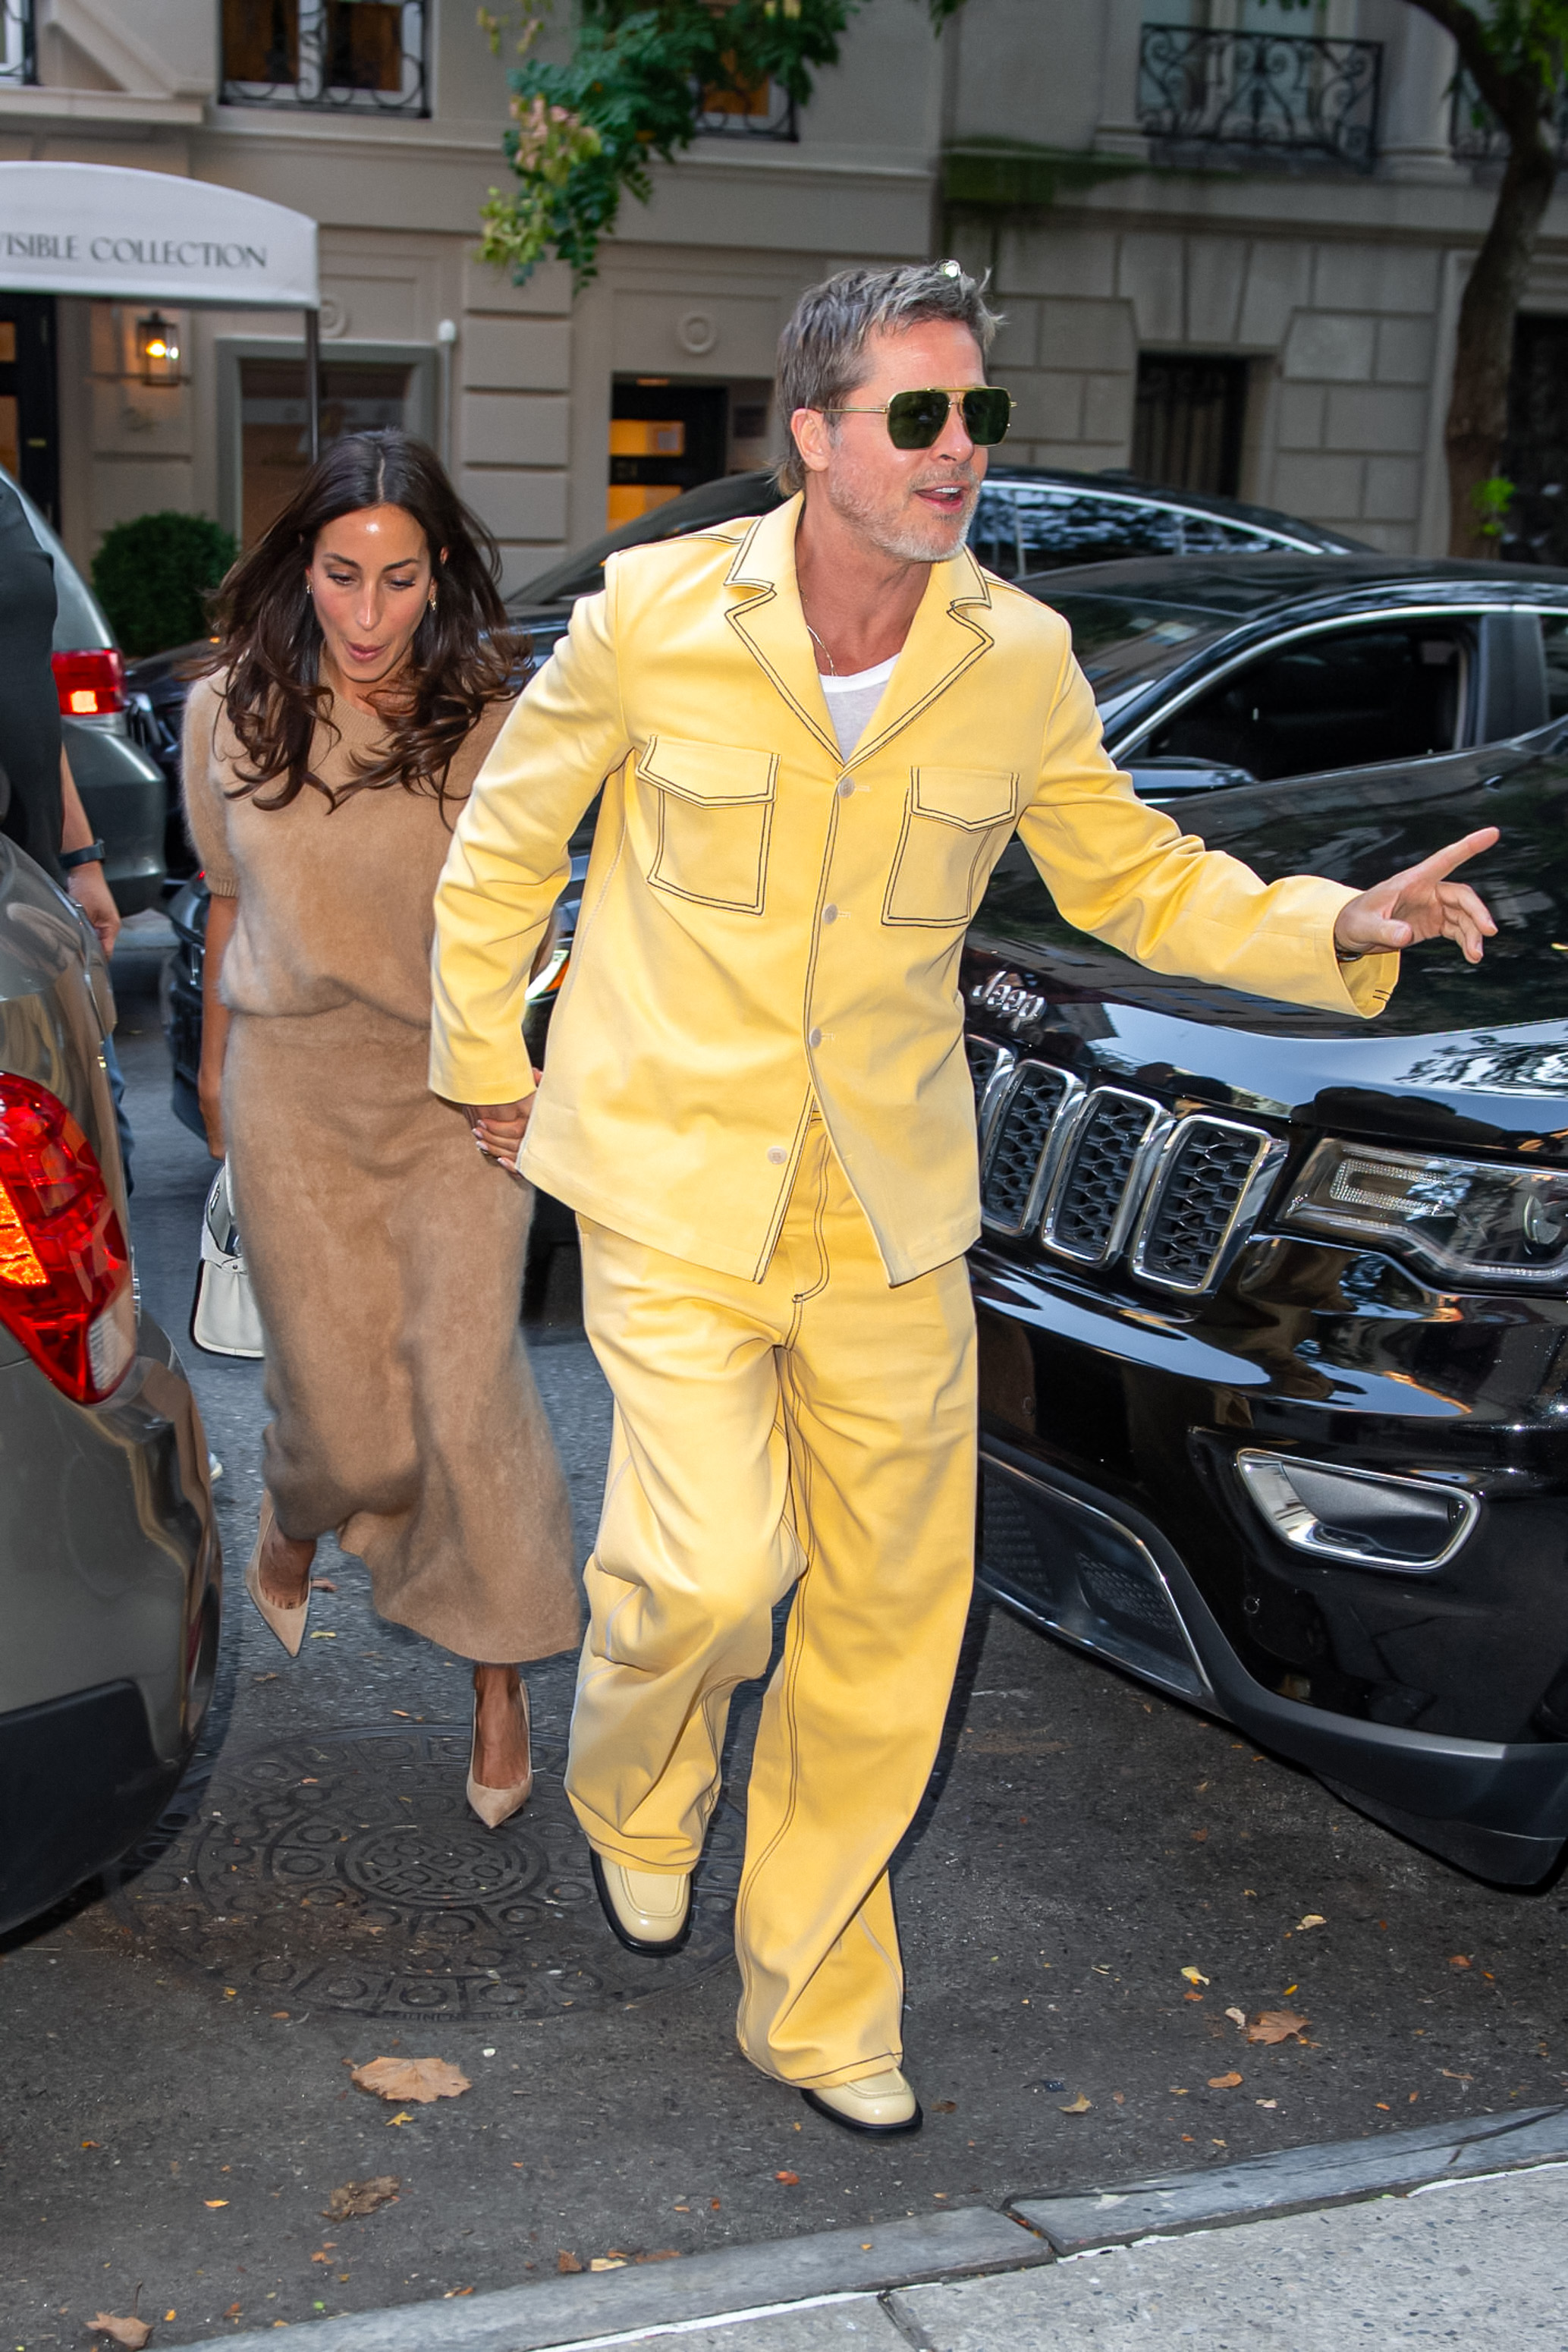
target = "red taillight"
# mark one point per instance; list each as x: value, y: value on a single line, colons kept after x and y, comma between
x: 91, y: 685
x: 65, y: 1271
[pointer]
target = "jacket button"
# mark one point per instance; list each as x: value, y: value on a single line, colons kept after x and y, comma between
x: 846, y: 786
x: 829, y: 914
x: 778, y: 1155
x: 815, y: 1038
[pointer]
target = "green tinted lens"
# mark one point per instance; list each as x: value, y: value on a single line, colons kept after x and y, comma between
x: 986, y: 415
x: 915, y: 419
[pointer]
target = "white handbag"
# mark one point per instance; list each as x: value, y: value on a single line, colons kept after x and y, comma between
x: 223, y: 1317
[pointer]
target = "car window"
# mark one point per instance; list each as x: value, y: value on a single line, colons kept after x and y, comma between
x: 1066, y: 526
x: 1206, y: 535
x: 1554, y: 646
x: 994, y: 532
x: 1345, y: 699
x: 1125, y: 643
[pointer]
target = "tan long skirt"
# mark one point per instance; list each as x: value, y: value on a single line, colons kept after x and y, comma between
x: 387, y: 1259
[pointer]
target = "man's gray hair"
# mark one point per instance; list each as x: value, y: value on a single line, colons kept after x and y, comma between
x: 821, y: 351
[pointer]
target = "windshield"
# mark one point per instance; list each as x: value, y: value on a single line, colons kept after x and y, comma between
x: 1125, y: 643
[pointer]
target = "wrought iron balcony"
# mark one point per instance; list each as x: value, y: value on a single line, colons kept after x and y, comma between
x: 366, y: 57
x: 1285, y: 96
x: 18, y: 54
x: 1475, y: 134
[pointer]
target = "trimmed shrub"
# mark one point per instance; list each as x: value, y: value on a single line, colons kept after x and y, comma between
x: 152, y: 577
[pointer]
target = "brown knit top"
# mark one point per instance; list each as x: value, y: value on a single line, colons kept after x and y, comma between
x: 336, y: 904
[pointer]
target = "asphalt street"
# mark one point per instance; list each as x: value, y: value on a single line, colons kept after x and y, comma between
x: 178, y: 2043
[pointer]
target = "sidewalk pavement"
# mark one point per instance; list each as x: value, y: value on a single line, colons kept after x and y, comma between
x: 1454, y: 2235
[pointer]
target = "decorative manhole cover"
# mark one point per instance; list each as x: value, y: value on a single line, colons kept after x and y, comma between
x: 347, y: 1872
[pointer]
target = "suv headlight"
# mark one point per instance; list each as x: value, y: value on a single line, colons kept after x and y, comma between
x: 1467, y: 1221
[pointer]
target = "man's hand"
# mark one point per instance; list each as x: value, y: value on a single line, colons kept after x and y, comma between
x: 93, y: 896
x: 1420, y: 904
x: 499, y: 1127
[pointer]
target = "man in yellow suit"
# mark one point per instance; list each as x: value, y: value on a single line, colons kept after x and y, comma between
x: 815, y: 734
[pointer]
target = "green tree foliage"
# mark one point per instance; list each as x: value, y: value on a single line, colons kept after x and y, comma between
x: 584, y: 133
x: 152, y: 577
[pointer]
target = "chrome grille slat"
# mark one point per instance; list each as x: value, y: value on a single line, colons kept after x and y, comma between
x: 990, y: 1065
x: 1211, y: 1183
x: 1096, y: 1191
x: 1021, y: 1150
x: 1106, y: 1173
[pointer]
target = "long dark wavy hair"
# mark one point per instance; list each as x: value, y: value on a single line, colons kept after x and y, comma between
x: 461, y: 657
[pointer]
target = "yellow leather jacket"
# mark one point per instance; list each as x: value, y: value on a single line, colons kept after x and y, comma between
x: 766, y: 924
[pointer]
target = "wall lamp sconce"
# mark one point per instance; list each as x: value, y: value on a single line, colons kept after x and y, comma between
x: 158, y: 349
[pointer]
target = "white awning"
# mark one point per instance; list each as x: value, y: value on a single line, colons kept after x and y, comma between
x: 150, y: 236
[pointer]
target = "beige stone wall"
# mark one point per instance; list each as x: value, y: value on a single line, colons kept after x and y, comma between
x: 1342, y: 334
x: 1339, y: 292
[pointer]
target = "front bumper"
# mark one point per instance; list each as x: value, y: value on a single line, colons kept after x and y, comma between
x: 1115, y: 1516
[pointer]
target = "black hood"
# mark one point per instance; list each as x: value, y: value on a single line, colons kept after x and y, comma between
x: 1478, y: 1054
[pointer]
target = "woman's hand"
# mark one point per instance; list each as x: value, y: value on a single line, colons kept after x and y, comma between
x: 499, y: 1129
x: 1421, y: 903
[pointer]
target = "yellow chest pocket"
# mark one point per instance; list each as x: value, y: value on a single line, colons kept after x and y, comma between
x: 956, y: 822
x: 712, y: 821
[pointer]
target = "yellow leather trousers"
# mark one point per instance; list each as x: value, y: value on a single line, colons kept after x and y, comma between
x: 814, y: 1431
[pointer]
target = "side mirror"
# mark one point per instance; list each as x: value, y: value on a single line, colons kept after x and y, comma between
x: 1175, y: 776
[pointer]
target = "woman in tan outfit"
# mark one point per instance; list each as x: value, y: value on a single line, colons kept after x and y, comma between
x: 361, y: 679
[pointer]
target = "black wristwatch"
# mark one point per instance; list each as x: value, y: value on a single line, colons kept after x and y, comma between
x: 91, y: 855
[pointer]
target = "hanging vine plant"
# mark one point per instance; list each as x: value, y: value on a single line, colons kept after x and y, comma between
x: 584, y: 134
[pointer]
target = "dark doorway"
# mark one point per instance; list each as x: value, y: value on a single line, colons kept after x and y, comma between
x: 29, y: 424
x: 1187, y: 433
x: 1536, y: 457
x: 274, y: 436
x: 664, y: 437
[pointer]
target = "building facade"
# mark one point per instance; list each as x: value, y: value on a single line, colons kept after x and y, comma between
x: 1229, y: 242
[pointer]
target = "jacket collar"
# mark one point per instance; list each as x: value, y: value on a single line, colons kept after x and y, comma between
x: 946, y: 637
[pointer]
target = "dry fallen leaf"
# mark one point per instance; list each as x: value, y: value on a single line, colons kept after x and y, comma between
x: 790, y: 2180
x: 1277, y: 2025
x: 1195, y: 1976
x: 1224, y: 2082
x: 662, y: 2255
x: 419, y: 2079
x: 213, y: 2204
x: 1078, y: 2106
x: 944, y: 2108
x: 1313, y: 1919
x: 565, y: 2262
x: 1458, y: 1961
x: 608, y: 2262
x: 357, y: 2198
x: 1237, y: 2016
x: 1453, y: 2077
x: 131, y: 2332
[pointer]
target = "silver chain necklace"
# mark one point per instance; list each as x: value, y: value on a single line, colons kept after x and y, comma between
x: 822, y: 648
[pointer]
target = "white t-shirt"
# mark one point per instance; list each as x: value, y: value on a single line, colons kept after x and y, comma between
x: 853, y: 700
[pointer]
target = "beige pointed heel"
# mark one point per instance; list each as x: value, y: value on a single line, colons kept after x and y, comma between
x: 289, y: 1625
x: 495, y: 1806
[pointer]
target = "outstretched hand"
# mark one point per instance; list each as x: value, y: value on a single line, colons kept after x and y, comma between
x: 1420, y: 904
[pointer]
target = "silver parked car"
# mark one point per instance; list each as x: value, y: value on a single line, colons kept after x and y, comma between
x: 108, y: 1549
x: 108, y: 733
